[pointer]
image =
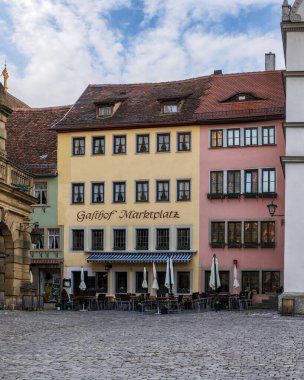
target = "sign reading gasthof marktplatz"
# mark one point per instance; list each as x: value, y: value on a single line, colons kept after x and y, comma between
x: 126, y: 214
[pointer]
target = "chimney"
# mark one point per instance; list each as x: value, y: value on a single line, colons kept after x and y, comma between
x: 218, y: 72
x: 270, y: 61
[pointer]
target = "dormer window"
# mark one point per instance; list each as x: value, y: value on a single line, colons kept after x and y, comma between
x: 242, y: 97
x: 105, y: 111
x: 170, y: 108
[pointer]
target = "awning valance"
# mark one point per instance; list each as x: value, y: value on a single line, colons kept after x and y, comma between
x: 140, y: 257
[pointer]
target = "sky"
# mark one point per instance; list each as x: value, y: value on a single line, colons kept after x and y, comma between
x: 54, y: 49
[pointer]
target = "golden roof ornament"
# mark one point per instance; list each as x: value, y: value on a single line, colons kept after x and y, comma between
x: 5, y: 76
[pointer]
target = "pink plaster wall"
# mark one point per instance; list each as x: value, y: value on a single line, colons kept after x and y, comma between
x: 232, y: 209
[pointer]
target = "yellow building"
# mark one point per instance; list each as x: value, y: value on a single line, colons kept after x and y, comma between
x: 128, y: 186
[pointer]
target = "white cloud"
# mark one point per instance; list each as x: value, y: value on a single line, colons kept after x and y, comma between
x: 67, y: 44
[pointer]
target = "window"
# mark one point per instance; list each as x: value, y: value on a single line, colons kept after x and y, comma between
x: 119, y: 240
x: 269, y: 180
x: 251, y: 281
x: 98, y: 145
x: 251, y: 136
x: 78, y: 193
x: 54, y: 238
x: 105, y: 110
x: 250, y: 234
x: 78, y: 240
x: 233, y: 137
x: 183, y: 190
x: 162, y: 239
x: 119, y: 192
x: 40, y: 243
x: 251, y: 182
x: 216, y: 138
x: 267, y: 234
x: 98, y: 192
x: 224, y: 279
x: 139, y: 277
x: 142, y: 191
x: 183, y: 141
x: 216, y: 182
x: 102, y: 282
x: 120, y: 144
x: 183, y: 282
x: 218, y: 234
x: 162, y: 191
x: 121, y: 282
x: 170, y: 108
x: 142, y: 239
x: 183, y: 239
x: 234, y: 234
x: 270, y: 281
x: 268, y: 135
x: 142, y: 144
x: 163, y: 142
x: 97, y: 237
x: 40, y: 191
x: 78, y: 146
x: 233, y: 182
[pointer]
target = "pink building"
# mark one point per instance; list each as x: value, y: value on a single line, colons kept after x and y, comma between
x: 241, y: 173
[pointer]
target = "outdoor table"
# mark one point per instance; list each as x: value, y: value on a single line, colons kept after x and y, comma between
x: 89, y: 301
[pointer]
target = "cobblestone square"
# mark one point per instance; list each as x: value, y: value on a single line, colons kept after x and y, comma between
x: 131, y: 345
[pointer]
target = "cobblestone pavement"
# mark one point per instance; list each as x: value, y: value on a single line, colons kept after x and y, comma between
x: 131, y: 345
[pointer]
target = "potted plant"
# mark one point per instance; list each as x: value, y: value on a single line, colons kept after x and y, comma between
x: 163, y: 308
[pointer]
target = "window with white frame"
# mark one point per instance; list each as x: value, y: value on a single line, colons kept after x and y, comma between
x: 119, y: 192
x: 233, y: 182
x: 268, y: 135
x: 251, y: 136
x: 142, y: 143
x: 251, y: 181
x: 40, y: 191
x: 183, y: 141
x: 216, y: 182
x: 120, y: 144
x: 183, y: 190
x: 233, y: 137
x: 54, y: 238
x: 98, y: 192
x: 269, y: 180
x: 216, y: 138
x: 162, y: 191
x: 142, y: 191
x: 105, y: 110
x: 163, y: 142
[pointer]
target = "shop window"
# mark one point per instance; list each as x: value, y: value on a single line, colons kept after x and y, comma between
x: 98, y: 192
x: 183, y: 238
x: 102, y: 282
x: 234, y: 234
x: 76, y: 275
x: 119, y: 192
x: 40, y: 191
x: 269, y: 180
x: 98, y: 145
x: 251, y: 182
x: 162, y: 239
x: 54, y: 238
x: 183, y: 141
x: 183, y: 190
x: 251, y: 281
x: 77, y: 240
x: 233, y: 183
x: 162, y: 191
x: 267, y: 234
x: 119, y: 240
x: 233, y: 137
x: 163, y: 142
x: 78, y: 146
x: 121, y: 282
x: 268, y: 135
x: 97, y: 239
x: 142, y: 144
x: 217, y: 234
x: 250, y: 234
x: 161, y: 278
x: 120, y: 144
x: 142, y: 239
x: 139, y: 277
x: 251, y: 136
x: 270, y: 281
x: 183, y: 282
x: 78, y: 193
x: 142, y: 191
x: 224, y: 279
x: 216, y: 138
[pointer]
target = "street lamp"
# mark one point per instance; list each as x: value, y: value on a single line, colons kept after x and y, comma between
x: 272, y: 207
x: 35, y: 232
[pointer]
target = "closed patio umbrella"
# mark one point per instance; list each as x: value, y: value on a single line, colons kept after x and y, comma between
x: 236, y: 283
x: 145, y: 283
x: 155, y: 286
x: 214, y: 281
x: 169, y: 281
x: 82, y: 285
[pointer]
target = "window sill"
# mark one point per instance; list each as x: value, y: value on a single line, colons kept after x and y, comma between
x: 267, y: 245
x: 233, y: 195
x: 268, y: 195
x: 184, y: 151
x: 215, y: 196
x: 163, y: 151
x: 251, y: 245
x: 217, y: 245
x: 40, y: 205
x: 251, y: 195
x: 235, y: 245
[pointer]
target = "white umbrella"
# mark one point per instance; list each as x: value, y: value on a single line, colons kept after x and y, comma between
x: 31, y: 277
x: 82, y: 285
x: 145, y: 283
x: 236, y: 284
x: 155, y: 286
x: 169, y: 281
x: 214, y: 281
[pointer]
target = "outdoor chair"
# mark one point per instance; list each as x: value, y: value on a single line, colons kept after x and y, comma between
x: 101, y: 300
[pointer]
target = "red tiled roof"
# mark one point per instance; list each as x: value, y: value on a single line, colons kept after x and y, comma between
x: 31, y: 142
x: 267, y: 86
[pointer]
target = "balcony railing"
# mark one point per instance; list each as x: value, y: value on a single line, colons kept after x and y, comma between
x: 48, y: 255
x: 14, y: 176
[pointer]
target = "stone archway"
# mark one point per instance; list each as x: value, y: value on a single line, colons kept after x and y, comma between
x: 6, y: 257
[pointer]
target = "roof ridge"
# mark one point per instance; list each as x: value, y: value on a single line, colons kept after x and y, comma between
x: 55, y: 108
x: 249, y: 73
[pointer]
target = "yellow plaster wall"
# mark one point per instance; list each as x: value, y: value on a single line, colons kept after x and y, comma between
x: 129, y: 167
